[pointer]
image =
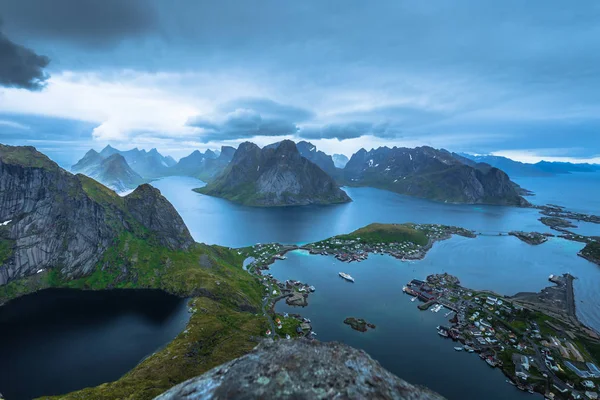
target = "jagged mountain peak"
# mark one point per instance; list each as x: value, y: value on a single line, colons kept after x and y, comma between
x: 274, y: 176
x: 431, y: 173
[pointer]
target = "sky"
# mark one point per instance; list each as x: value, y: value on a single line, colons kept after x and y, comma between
x: 513, y: 78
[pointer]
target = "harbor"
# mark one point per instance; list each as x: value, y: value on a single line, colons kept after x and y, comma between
x: 422, y: 290
x: 540, y: 348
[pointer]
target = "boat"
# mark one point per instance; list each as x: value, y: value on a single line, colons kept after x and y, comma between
x: 490, y: 362
x: 469, y: 348
x: 442, y: 332
x: 458, y: 348
x: 346, y: 277
x: 414, y: 298
x: 312, y: 288
x: 280, y: 257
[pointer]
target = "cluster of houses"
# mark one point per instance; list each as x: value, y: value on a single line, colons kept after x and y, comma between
x: 483, y: 323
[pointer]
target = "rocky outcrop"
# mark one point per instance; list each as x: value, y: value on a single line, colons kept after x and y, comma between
x: 148, y: 206
x: 274, y: 176
x: 299, y: 369
x: 433, y: 174
x: 53, y: 219
x: 358, y: 324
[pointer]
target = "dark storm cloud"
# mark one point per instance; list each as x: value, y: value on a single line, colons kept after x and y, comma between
x: 337, y: 131
x: 326, y: 57
x: 269, y: 108
x: 21, y: 67
x: 242, y: 123
x: 84, y: 22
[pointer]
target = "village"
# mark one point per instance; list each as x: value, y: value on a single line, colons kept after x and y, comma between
x: 536, y: 352
x: 414, y: 246
x: 534, y: 338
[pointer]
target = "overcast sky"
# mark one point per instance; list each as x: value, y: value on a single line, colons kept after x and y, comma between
x: 519, y: 78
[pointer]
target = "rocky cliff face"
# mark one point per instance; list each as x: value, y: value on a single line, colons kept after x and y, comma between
x: 433, y: 174
x: 54, y: 219
x: 274, y: 176
x: 147, y: 205
x: 299, y: 369
x: 322, y: 160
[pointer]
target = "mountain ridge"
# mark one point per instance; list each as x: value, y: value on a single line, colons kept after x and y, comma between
x: 433, y: 174
x: 276, y: 175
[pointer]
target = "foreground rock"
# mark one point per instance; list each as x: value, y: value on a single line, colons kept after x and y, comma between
x: 276, y: 175
x: 358, y: 324
x: 299, y: 369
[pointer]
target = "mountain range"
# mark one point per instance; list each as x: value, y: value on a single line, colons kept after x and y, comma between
x: 422, y: 172
x: 204, y: 166
x: 148, y: 164
x: 432, y: 174
x: 113, y: 171
x: 519, y: 169
x: 276, y: 175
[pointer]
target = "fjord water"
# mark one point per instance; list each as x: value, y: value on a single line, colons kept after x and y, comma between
x: 405, y: 340
x: 489, y: 258
x: 59, y: 340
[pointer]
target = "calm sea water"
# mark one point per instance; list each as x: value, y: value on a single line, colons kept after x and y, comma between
x: 58, y: 340
x: 405, y: 340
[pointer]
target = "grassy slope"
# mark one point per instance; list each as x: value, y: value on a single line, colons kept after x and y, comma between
x: 219, y: 331
x: 387, y: 233
x: 215, y: 334
x: 25, y: 156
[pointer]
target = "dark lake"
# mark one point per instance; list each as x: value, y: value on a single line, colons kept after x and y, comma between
x: 59, y: 340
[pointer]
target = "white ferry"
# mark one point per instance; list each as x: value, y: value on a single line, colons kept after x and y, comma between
x: 346, y: 277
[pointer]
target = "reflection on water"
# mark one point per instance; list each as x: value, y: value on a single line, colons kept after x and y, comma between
x: 59, y: 340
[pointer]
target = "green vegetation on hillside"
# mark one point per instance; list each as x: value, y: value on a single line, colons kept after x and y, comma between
x: 223, y: 325
x: 215, y: 334
x: 134, y: 263
x: 591, y: 252
x: 387, y: 233
x: 26, y: 156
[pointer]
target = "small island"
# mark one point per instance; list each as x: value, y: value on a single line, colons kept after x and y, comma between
x: 533, y: 238
x: 557, y: 223
x: 403, y: 241
x: 358, y: 324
